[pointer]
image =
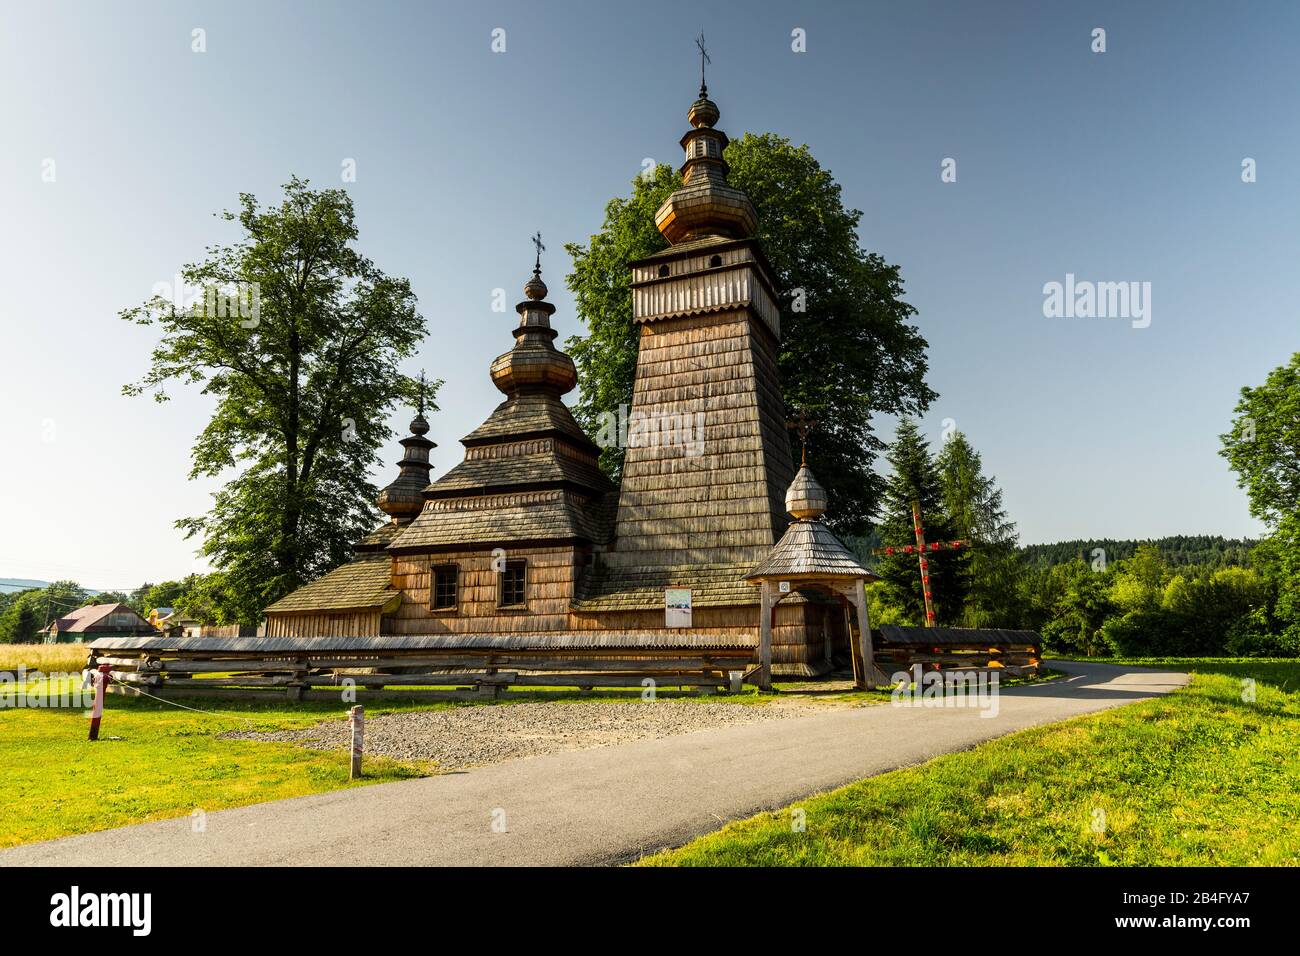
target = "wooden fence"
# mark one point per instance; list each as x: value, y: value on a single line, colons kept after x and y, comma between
x: 440, y: 667
x: 1014, y: 653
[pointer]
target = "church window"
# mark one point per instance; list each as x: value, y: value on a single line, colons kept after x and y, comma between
x: 715, y: 262
x: 512, y: 584
x: 663, y: 272
x: 445, y: 579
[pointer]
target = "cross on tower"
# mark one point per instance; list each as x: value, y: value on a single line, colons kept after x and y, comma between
x: 704, y: 58
x: 803, y: 423
x: 537, y: 241
x: 420, y: 404
x: 920, y: 549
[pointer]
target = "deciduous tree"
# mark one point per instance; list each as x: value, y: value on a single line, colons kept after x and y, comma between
x: 304, y: 372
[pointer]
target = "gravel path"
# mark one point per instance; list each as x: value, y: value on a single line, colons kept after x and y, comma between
x: 474, y: 736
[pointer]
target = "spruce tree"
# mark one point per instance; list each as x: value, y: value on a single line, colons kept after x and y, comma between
x: 915, y: 477
x: 974, y: 503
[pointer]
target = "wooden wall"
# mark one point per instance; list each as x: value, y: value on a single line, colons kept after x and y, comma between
x: 357, y: 623
x: 799, y: 636
x: 550, y: 579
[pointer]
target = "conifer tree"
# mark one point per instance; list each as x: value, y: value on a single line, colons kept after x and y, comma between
x: 974, y: 503
x: 915, y: 477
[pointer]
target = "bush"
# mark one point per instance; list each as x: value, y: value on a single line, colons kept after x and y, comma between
x: 1254, y: 635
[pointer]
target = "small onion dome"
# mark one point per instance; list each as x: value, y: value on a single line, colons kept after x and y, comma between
x: 805, y: 499
x: 534, y: 363
x: 535, y: 288
x: 403, y: 498
x: 703, y: 112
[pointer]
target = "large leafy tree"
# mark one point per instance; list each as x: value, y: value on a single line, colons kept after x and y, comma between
x: 1263, y: 448
x: 848, y: 347
x: 915, y: 477
x: 972, y: 501
x: 304, y: 372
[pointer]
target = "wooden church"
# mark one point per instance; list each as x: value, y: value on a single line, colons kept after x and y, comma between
x: 527, y: 540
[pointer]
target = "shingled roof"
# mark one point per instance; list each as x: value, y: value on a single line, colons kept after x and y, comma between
x: 604, y: 588
x: 553, y: 514
x: 529, y: 415
x: 363, y: 583
x: 93, y: 617
x: 546, y: 467
x: 809, y: 547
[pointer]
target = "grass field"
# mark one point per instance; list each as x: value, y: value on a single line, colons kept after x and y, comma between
x: 155, y: 761
x: 1200, y: 777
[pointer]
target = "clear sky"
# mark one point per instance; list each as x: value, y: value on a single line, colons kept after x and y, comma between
x: 1117, y: 166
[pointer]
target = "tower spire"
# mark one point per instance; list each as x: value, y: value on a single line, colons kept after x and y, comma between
x: 802, y: 423
x: 706, y: 204
x: 537, y: 241
x: 534, y: 363
x: 403, y: 499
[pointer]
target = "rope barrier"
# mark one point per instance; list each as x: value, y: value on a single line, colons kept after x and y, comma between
x: 197, y: 710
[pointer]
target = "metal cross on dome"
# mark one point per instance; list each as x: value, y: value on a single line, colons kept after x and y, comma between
x: 420, y: 406
x: 537, y: 241
x: 704, y: 58
x: 803, y: 423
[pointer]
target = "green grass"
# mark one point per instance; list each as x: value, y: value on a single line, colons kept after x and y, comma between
x: 1199, y: 777
x: 154, y: 761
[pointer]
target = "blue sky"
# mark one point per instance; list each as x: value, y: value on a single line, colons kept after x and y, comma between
x: 1115, y: 166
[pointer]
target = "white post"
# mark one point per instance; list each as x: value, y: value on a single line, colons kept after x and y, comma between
x: 765, y: 637
x: 357, y: 723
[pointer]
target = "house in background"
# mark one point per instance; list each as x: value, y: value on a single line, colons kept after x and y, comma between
x: 97, y: 620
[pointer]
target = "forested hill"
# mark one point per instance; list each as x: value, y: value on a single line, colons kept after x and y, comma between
x: 1183, y: 549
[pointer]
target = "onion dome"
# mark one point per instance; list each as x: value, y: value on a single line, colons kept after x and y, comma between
x: 403, y: 499
x: 534, y: 364
x: 705, y: 205
x: 808, y: 551
x: 703, y: 112
x: 806, y: 498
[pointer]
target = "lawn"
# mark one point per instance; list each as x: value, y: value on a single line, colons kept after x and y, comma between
x: 1200, y: 777
x: 154, y: 760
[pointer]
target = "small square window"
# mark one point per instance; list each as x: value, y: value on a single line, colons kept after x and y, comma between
x: 512, y: 584
x: 445, y: 579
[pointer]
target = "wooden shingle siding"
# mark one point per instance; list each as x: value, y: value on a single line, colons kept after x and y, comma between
x: 677, y: 508
x: 366, y: 623
x: 552, y: 573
